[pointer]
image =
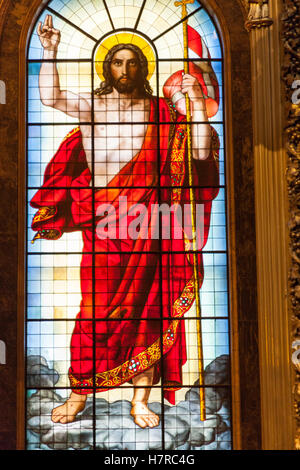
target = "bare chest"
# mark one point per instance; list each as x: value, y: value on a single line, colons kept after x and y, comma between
x: 116, y: 135
x: 113, y: 142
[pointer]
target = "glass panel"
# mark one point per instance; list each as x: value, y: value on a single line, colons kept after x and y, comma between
x: 124, y: 12
x: 202, y: 23
x: 170, y: 42
x: 76, y: 77
x: 53, y: 286
x: 110, y: 283
x: 74, y: 44
x: 90, y: 16
x: 185, y: 431
x: 115, y: 430
x: 217, y: 235
x: 159, y: 16
x: 213, y: 294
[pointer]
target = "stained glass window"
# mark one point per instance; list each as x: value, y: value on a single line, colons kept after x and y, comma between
x: 126, y: 225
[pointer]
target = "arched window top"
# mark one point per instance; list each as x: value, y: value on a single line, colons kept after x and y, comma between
x: 83, y: 23
x: 89, y: 29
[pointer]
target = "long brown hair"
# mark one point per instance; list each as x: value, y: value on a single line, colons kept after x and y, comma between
x: 143, y: 84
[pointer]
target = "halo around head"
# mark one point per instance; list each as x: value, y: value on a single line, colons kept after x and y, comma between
x: 124, y: 38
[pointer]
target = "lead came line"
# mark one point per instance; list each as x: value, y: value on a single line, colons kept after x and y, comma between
x: 108, y: 14
x: 93, y: 257
x: 140, y: 14
x: 71, y: 24
x: 93, y: 130
x: 177, y: 24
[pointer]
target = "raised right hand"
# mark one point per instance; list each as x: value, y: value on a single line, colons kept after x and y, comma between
x: 49, y: 36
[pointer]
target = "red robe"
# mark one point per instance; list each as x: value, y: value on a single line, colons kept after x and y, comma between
x: 134, y: 291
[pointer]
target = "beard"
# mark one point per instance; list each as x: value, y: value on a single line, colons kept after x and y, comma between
x: 126, y: 87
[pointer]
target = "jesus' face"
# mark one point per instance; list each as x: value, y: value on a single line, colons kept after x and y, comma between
x: 125, y: 71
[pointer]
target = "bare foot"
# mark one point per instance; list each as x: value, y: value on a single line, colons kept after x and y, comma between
x: 67, y: 412
x: 143, y: 416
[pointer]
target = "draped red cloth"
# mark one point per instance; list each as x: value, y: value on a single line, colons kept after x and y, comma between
x: 135, y: 291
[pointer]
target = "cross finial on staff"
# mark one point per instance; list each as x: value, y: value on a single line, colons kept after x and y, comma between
x: 183, y: 3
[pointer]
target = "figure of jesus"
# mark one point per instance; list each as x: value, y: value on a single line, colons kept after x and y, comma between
x: 123, y: 154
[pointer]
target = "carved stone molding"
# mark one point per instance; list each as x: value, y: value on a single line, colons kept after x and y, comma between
x: 271, y: 227
x: 291, y: 73
x: 258, y: 16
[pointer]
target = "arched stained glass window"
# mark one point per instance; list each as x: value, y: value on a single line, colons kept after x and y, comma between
x: 127, y: 321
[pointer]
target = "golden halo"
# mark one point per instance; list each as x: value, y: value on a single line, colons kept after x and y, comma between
x: 124, y: 38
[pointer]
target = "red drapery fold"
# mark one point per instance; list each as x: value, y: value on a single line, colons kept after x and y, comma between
x: 134, y: 291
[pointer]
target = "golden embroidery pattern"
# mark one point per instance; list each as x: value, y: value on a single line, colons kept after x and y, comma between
x: 215, y: 145
x: 145, y: 359
x: 184, y: 302
x: 44, y: 213
x: 177, y: 161
x: 72, y: 132
x: 50, y: 234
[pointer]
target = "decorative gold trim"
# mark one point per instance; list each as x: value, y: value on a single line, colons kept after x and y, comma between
x: 291, y: 72
x: 72, y: 132
x: 258, y: 16
x: 177, y: 161
x: 271, y: 235
x: 49, y: 234
x: 44, y: 213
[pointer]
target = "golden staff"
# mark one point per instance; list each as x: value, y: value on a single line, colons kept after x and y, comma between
x: 183, y: 3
